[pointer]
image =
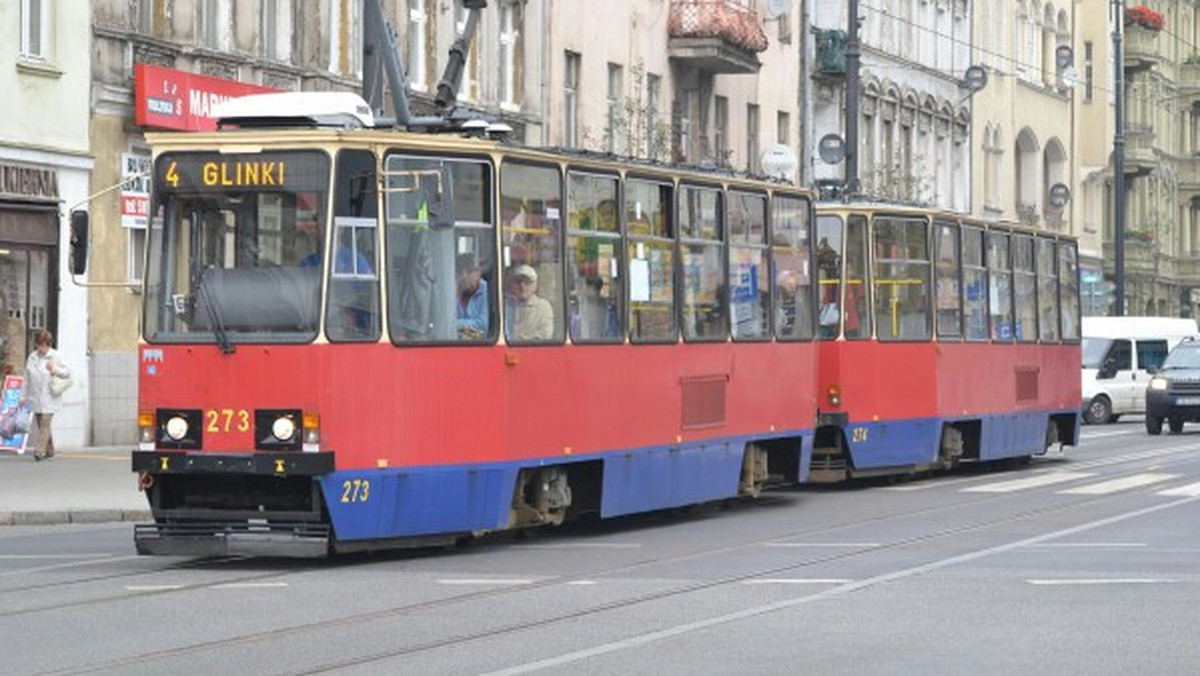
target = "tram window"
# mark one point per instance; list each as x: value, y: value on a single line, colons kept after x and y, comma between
x: 704, y: 288
x: 1024, y: 289
x: 1047, y: 291
x: 651, y: 258
x: 352, y: 309
x: 948, y: 281
x: 441, y: 280
x: 975, y: 295
x: 1068, y: 289
x: 829, y: 275
x: 530, y: 222
x: 901, y: 279
x: 749, y: 293
x: 856, y: 310
x: 999, y: 265
x: 595, y: 280
x: 791, y: 260
x: 225, y: 260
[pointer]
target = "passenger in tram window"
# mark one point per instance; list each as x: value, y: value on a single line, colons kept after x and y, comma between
x: 596, y: 316
x: 472, y: 299
x: 527, y: 316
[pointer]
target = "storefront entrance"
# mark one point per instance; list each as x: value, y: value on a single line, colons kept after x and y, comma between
x: 28, y: 263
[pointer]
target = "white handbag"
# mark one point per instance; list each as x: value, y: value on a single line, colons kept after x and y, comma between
x: 60, y: 384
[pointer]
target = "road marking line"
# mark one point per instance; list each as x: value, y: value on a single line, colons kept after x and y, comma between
x: 95, y: 557
x: 840, y: 590
x: 581, y: 583
x: 1122, y: 484
x: 1084, y: 545
x: 1101, y: 435
x: 249, y: 585
x: 784, y: 580
x: 478, y: 581
x: 1188, y: 491
x: 1098, y: 581
x: 864, y: 545
x: 153, y: 587
x: 585, y: 545
x: 71, y: 564
x: 1028, y: 482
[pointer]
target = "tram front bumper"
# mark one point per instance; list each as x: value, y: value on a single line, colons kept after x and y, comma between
x: 252, y: 504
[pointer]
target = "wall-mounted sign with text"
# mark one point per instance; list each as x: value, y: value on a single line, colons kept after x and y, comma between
x: 174, y: 99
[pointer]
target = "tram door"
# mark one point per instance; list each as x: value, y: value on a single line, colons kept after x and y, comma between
x: 25, y: 302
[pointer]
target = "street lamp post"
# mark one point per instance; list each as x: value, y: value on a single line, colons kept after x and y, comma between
x: 1118, y: 161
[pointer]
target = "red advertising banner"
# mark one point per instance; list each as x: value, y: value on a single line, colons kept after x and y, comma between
x: 174, y: 99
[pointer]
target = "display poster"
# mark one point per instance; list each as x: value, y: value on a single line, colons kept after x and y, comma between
x: 16, y: 416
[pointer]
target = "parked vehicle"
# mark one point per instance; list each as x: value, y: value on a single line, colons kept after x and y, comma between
x: 1174, y: 391
x: 1119, y: 354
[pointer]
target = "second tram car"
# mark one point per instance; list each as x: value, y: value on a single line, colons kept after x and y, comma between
x: 357, y: 337
x: 942, y: 341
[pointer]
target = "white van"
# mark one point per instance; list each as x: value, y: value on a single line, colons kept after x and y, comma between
x: 1118, y: 354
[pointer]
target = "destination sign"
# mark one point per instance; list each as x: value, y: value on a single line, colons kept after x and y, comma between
x: 298, y: 170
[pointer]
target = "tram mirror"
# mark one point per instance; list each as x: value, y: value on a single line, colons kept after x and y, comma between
x: 439, y: 195
x: 79, y: 242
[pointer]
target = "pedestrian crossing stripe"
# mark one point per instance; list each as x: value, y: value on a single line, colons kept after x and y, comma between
x: 1048, y: 479
x: 1188, y: 491
x: 1122, y: 484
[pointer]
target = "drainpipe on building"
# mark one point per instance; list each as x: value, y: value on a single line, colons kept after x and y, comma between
x: 1118, y: 162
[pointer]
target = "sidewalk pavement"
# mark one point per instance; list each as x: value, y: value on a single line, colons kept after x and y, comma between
x: 81, y: 485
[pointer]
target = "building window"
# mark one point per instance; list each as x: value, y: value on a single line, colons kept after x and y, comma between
x: 144, y: 20
x: 470, y: 75
x: 34, y: 29
x: 137, y: 253
x: 752, y: 143
x: 214, y: 24
x: 416, y: 44
x: 616, y: 75
x: 571, y: 100
x: 510, y: 53
x: 720, y: 129
x: 653, y: 104
x: 345, y: 46
x: 783, y: 125
x: 1087, y: 72
x: 277, y: 29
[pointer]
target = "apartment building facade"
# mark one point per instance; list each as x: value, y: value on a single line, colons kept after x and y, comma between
x: 44, y: 166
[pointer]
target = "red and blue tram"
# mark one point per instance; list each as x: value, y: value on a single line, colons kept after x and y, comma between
x: 356, y: 338
x: 941, y: 341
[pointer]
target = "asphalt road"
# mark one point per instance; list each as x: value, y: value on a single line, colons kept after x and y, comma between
x: 1088, y: 564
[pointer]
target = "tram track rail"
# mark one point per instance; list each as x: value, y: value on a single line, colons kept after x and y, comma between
x: 815, y: 534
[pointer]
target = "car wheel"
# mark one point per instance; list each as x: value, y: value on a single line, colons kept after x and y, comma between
x: 1176, y: 425
x: 1153, y: 425
x: 1098, y: 411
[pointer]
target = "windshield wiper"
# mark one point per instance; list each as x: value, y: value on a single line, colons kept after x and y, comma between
x: 205, y: 296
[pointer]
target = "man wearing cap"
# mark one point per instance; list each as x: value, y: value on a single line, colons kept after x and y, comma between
x: 527, y: 316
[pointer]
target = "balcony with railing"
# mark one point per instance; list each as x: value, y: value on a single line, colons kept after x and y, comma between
x: 1140, y: 155
x: 1142, y: 48
x: 716, y: 36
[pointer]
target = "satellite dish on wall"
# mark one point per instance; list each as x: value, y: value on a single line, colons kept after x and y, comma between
x: 777, y: 7
x: 779, y: 162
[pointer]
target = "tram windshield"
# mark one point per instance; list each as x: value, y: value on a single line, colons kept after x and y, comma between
x: 235, y: 247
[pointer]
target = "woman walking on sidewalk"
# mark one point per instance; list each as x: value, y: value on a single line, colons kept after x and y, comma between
x: 43, y: 366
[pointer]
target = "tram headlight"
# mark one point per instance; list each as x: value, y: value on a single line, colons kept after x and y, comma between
x: 1158, y: 383
x: 176, y: 427
x: 311, y: 442
x: 146, y: 429
x: 833, y: 394
x: 284, y: 428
